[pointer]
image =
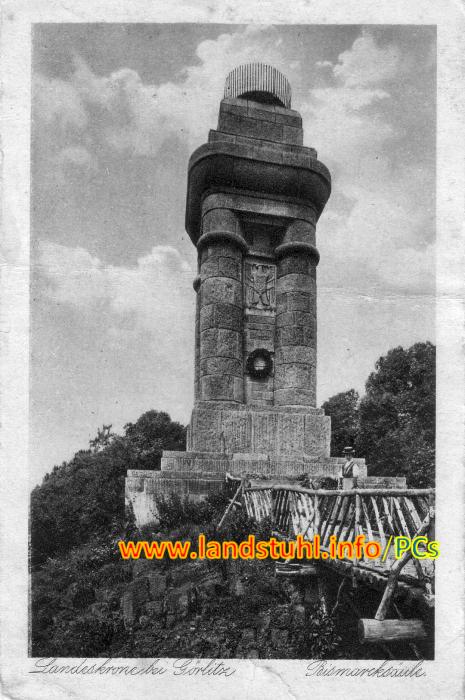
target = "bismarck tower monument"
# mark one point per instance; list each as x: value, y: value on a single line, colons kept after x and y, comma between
x: 254, y: 196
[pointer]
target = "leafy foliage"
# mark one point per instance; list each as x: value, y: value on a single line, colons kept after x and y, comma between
x: 152, y: 433
x: 78, y: 514
x: 318, y: 638
x: 343, y: 409
x: 175, y: 511
x: 397, y: 415
x: 67, y: 619
x: 85, y: 496
x: 393, y: 425
x: 76, y: 606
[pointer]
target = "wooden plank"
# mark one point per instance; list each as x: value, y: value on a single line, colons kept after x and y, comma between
x: 260, y: 509
x: 379, y: 522
x: 367, y: 520
x: 285, y: 518
x: 394, y: 573
x: 405, y: 529
x: 332, y: 516
x: 301, y: 512
x: 308, y: 513
x: 410, y: 506
x: 280, y: 510
x: 349, y: 529
x: 230, y: 505
x: 358, y: 515
x: 277, y: 516
x: 342, y: 517
x: 316, y: 509
x: 309, y: 530
x: 419, y: 569
x: 388, y: 515
x: 293, y: 514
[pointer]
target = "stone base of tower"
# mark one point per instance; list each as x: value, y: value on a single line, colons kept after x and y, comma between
x: 194, y: 475
x: 285, y: 432
x: 282, y: 444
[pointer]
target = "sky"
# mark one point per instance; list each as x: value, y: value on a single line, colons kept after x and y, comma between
x: 117, y: 110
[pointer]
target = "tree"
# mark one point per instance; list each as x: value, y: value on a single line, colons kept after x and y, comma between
x: 343, y: 410
x: 85, y: 496
x: 103, y: 438
x: 397, y: 415
x: 152, y: 433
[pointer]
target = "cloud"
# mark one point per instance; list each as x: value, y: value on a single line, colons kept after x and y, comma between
x: 57, y: 103
x: 110, y: 341
x: 381, y: 209
x: 138, y: 117
x: 366, y: 63
x: 149, y: 295
x: 77, y: 156
x: 377, y: 233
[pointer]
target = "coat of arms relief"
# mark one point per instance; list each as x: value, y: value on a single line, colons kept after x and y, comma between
x: 260, y: 286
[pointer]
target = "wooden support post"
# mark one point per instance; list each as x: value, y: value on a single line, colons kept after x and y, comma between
x: 357, y: 531
x: 431, y: 514
x: 379, y: 522
x: 367, y: 520
x: 316, y: 515
x: 394, y: 575
x: 230, y: 505
x: 358, y: 510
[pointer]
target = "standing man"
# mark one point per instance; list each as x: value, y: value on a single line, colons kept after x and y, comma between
x: 350, y: 469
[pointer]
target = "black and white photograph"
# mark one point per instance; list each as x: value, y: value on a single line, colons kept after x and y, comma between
x: 241, y: 337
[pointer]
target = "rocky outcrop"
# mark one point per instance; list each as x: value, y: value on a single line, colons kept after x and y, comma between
x: 193, y: 605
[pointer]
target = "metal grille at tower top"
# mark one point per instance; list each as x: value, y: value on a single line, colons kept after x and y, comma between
x: 259, y: 82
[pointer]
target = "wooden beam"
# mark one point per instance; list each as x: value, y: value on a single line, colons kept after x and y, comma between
x: 400, y: 515
x: 375, y: 631
x: 379, y: 522
x: 413, y: 512
x: 230, y: 505
x: 367, y: 520
x: 342, y: 518
x: 283, y: 570
x: 350, y: 492
x: 332, y: 518
x: 394, y: 576
x: 388, y: 515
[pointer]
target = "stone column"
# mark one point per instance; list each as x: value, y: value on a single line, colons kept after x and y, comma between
x: 220, y: 249
x: 295, y: 347
x: 196, y: 285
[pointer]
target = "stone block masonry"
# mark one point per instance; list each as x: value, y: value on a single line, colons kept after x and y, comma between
x: 254, y: 196
x: 180, y: 604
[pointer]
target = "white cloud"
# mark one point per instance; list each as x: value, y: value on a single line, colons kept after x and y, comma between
x: 138, y: 117
x: 76, y: 155
x: 153, y: 293
x: 384, y: 215
x: 365, y: 63
x: 57, y: 103
x: 381, y: 237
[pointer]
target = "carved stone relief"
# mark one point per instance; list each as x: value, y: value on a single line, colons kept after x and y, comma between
x: 260, y: 285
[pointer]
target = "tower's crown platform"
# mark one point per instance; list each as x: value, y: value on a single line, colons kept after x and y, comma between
x: 259, y: 82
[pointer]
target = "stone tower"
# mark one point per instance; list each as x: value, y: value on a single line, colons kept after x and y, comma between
x: 254, y: 196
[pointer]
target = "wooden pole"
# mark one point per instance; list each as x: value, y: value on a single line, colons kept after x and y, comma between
x: 348, y: 492
x: 230, y: 505
x: 394, y: 575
